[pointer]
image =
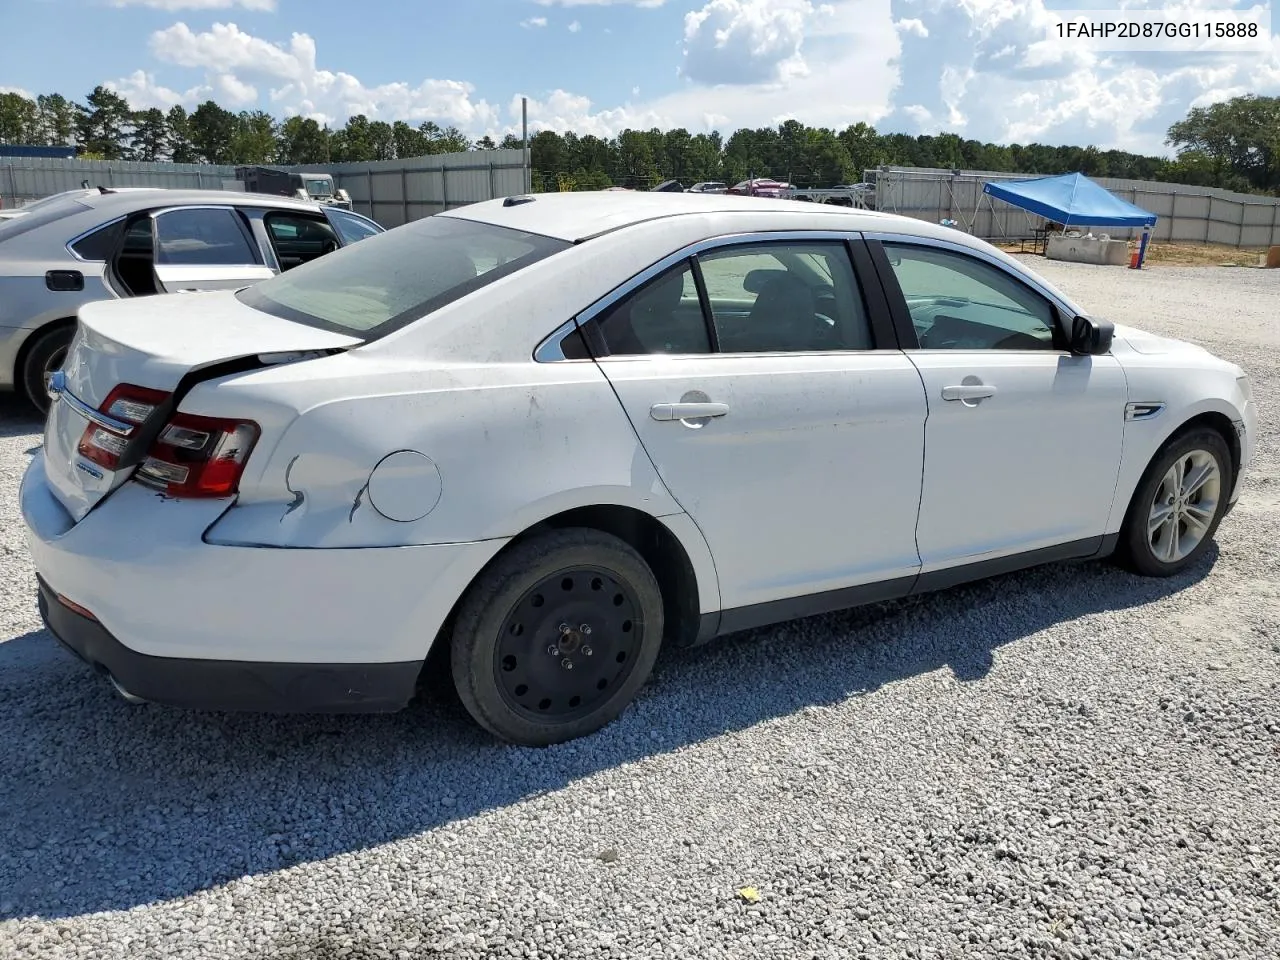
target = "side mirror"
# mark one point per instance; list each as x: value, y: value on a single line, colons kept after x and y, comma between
x: 1091, y: 337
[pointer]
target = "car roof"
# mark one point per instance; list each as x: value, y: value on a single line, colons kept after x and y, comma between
x: 146, y: 197
x: 578, y: 216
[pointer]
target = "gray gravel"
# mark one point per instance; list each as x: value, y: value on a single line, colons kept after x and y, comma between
x: 1067, y: 763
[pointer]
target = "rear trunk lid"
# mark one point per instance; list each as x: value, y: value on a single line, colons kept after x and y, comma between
x: 163, y: 344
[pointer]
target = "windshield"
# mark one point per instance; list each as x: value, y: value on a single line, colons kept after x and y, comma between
x: 319, y: 188
x: 382, y: 283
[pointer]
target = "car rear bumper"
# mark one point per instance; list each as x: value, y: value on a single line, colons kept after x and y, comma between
x: 229, y: 684
x: 178, y: 620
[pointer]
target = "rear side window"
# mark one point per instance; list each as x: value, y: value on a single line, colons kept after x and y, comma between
x: 201, y: 237
x: 97, y: 246
x: 380, y: 284
x: 351, y: 227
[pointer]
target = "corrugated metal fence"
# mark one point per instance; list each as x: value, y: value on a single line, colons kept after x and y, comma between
x: 23, y: 179
x: 391, y: 191
x: 1186, y: 213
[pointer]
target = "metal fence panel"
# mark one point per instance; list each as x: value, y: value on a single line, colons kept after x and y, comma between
x: 393, y: 192
x: 1184, y: 212
x: 23, y: 179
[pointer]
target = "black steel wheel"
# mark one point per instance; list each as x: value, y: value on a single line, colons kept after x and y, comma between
x: 46, y: 355
x: 555, y: 638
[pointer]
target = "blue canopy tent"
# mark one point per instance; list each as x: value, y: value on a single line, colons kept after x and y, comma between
x: 1073, y: 200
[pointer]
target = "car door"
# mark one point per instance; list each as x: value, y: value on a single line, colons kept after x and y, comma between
x: 1023, y: 439
x: 785, y: 423
x: 204, y: 248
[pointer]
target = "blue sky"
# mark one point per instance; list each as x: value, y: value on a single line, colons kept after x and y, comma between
x: 982, y: 68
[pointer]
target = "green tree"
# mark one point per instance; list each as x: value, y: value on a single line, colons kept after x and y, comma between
x: 104, y: 124
x: 485, y: 143
x: 213, y: 132
x: 1240, y: 135
x: 178, y: 135
x: 19, y: 120
x: 409, y: 141
x: 254, y: 140
x: 57, y: 119
x: 303, y: 141
x: 150, y: 139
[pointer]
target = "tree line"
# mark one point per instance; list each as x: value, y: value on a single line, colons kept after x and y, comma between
x: 1234, y: 144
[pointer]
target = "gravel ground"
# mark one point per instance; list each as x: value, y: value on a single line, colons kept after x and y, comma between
x: 1066, y: 763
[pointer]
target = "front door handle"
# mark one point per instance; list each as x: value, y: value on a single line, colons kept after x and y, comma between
x: 687, y: 411
x: 968, y: 392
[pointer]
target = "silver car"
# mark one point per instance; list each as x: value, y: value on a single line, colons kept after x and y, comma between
x: 109, y: 244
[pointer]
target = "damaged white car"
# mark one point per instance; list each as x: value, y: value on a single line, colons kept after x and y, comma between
x: 549, y: 434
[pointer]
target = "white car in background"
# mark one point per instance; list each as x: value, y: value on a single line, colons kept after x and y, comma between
x: 84, y: 245
x: 552, y: 433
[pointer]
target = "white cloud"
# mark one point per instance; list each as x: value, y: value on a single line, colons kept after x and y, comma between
x: 747, y: 41
x: 143, y: 92
x: 297, y: 85
x: 534, y: 22
x: 575, y: 27
x: 985, y: 68
x: 266, y: 6
x: 912, y: 25
x: 18, y: 90
x: 851, y: 78
x: 601, y: 3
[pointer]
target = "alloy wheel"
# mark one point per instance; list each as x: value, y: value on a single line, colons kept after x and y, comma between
x: 1184, y: 506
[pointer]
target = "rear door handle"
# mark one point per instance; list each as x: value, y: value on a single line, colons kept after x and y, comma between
x: 687, y: 411
x: 968, y: 391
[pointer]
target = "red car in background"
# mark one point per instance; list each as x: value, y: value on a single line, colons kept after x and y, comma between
x: 761, y: 187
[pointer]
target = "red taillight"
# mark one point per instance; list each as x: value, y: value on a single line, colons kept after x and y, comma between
x: 192, y: 456
x: 127, y: 403
x: 199, y: 456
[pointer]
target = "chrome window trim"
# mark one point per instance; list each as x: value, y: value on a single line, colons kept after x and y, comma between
x: 549, y: 346
x: 70, y: 245
x: 548, y: 351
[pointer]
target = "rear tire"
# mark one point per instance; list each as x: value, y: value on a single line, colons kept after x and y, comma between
x: 555, y: 639
x: 1178, y: 505
x: 47, y: 353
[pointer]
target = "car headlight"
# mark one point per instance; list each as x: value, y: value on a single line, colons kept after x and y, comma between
x: 1246, y: 386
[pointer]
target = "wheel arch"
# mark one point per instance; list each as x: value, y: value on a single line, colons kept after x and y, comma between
x: 29, y: 341
x: 1218, y: 416
x: 671, y: 546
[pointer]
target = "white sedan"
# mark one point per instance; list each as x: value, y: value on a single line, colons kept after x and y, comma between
x: 551, y: 433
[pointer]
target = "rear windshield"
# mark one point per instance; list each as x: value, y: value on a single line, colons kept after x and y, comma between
x: 57, y: 209
x: 380, y: 284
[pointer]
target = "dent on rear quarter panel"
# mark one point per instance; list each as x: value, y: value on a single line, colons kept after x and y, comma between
x: 534, y: 441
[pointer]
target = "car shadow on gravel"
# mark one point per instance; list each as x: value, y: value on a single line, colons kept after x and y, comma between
x: 108, y: 806
x: 17, y: 417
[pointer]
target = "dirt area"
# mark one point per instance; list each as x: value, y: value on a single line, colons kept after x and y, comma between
x: 1187, y: 254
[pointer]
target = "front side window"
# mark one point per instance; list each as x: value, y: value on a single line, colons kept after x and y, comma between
x: 387, y: 281
x: 958, y: 302
x: 299, y: 239
x: 787, y: 297
x: 201, y: 237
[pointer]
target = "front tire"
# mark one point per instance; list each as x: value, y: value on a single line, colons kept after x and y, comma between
x: 47, y: 353
x: 555, y: 639
x: 1177, y: 507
